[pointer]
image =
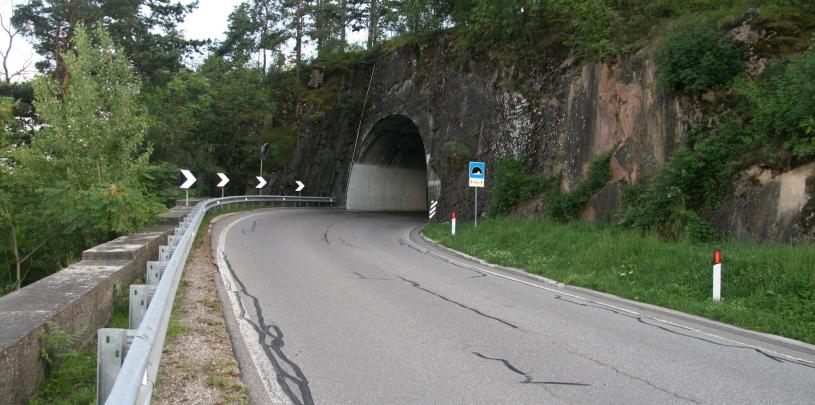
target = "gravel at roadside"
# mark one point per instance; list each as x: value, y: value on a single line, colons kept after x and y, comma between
x: 198, y: 365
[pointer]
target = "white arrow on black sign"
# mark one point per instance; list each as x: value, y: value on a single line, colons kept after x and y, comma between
x: 190, y: 179
x: 224, y: 179
x: 261, y: 182
x: 300, y: 185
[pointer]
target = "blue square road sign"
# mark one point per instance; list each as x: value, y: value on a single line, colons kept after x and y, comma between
x: 477, y: 174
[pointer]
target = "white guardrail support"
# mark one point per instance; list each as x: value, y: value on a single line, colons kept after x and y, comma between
x: 128, y: 359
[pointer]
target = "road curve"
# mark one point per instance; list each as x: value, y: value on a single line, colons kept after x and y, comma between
x: 336, y: 307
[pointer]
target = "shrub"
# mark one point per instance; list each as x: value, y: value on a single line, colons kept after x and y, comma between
x: 693, y: 180
x: 781, y: 105
x: 565, y: 206
x: 457, y: 155
x: 592, y: 27
x: 514, y: 184
x: 695, y: 57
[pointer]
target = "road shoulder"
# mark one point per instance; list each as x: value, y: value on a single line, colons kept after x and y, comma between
x: 198, y: 363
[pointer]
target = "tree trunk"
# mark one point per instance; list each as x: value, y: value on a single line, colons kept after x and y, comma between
x: 343, y: 21
x: 17, y: 260
x: 298, y: 40
x: 373, y: 24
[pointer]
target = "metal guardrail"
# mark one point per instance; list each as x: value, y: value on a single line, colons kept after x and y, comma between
x: 128, y: 359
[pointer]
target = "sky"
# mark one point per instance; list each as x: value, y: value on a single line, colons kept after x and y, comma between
x: 208, y: 21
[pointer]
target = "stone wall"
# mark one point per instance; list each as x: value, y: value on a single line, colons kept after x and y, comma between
x: 80, y: 297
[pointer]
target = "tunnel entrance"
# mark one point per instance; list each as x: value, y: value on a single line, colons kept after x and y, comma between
x: 391, y: 171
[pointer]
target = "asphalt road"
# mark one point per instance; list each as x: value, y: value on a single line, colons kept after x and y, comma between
x: 334, y: 307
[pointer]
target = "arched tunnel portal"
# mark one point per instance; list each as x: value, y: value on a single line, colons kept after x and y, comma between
x: 390, y: 173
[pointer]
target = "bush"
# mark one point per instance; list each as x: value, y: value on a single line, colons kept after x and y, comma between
x: 565, y: 206
x: 693, y: 180
x: 781, y: 105
x: 161, y: 181
x: 457, y: 155
x: 695, y: 57
x: 514, y: 184
x: 593, y: 27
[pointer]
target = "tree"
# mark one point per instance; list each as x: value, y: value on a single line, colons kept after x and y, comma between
x: 373, y: 23
x: 146, y: 29
x: 96, y: 123
x: 79, y: 180
x: 254, y: 29
x: 5, y: 54
x: 415, y: 16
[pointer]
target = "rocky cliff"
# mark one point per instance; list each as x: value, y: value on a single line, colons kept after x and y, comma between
x: 556, y: 116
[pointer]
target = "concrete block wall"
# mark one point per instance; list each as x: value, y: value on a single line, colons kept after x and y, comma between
x: 80, y: 296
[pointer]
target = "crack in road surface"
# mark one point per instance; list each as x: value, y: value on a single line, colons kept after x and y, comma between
x: 641, y: 320
x: 274, y: 348
x: 325, y: 234
x: 528, y: 379
x: 363, y: 277
x: 633, y: 377
x: 345, y: 242
x: 419, y: 286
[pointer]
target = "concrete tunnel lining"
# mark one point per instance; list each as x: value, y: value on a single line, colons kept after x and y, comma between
x: 391, y: 171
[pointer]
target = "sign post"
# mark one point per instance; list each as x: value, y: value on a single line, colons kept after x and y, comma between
x: 223, y: 182
x: 190, y: 180
x: 300, y: 187
x: 477, y: 174
x: 264, y: 151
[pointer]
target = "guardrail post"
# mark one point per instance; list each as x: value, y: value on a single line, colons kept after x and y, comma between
x: 140, y: 296
x: 164, y: 253
x: 173, y: 240
x: 110, y: 353
x: 154, y: 272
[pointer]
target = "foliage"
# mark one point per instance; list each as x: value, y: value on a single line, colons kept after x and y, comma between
x: 147, y: 30
x: 514, y: 184
x: 769, y: 287
x: 695, y: 57
x: 457, y: 155
x: 216, y: 118
x: 781, y: 105
x: 592, y: 27
x: 694, y: 179
x: 58, y: 345
x: 78, y: 182
x: 161, y: 179
x: 503, y: 24
x: 565, y: 206
x: 72, y: 380
x: 96, y: 123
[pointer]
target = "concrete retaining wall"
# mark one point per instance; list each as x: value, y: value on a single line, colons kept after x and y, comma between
x: 80, y: 296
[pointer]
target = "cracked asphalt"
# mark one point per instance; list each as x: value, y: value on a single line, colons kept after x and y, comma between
x: 336, y: 307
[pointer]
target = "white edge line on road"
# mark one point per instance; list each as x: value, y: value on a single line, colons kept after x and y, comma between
x: 262, y: 364
x: 561, y: 292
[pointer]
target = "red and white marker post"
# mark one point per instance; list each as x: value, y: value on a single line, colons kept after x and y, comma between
x: 717, y: 275
x: 453, y: 224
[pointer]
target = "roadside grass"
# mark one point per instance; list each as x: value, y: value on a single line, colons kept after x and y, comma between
x: 765, y: 287
x: 71, y: 378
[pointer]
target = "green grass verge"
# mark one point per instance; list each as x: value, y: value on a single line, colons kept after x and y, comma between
x: 765, y: 287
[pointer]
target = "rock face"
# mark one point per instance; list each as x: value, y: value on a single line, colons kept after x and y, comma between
x: 557, y: 118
